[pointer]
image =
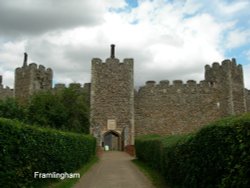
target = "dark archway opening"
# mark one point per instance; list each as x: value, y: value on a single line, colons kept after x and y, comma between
x: 112, y: 139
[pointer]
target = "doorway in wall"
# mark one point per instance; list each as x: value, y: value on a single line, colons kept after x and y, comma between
x: 112, y: 139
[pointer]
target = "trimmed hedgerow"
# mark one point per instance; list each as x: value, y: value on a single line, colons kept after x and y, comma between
x: 216, y: 156
x: 149, y: 145
x: 25, y: 149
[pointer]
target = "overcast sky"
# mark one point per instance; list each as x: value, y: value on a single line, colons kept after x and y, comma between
x: 168, y: 39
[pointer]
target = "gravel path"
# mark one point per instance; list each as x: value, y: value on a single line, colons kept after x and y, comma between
x: 114, y: 170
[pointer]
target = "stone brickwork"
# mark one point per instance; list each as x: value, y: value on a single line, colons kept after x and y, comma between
x: 177, y: 108
x: 5, y: 92
x: 30, y: 79
x: 112, y: 100
x: 248, y: 100
x: 118, y: 112
x: 228, y: 78
x: 180, y: 108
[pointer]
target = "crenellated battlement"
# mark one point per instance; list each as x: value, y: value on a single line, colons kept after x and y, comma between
x: 108, y: 61
x: 34, y: 67
x: 112, y: 60
x: 5, y: 91
x: 226, y: 65
x: 228, y: 78
x: 217, y: 77
x: 31, y: 78
x: 177, y: 107
x: 176, y: 87
x: 71, y: 85
x: 78, y: 86
x: 164, y: 107
x: 60, y: 86
x: 177, y: 83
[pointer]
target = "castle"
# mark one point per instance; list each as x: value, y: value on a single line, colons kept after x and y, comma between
x: 118, y: 112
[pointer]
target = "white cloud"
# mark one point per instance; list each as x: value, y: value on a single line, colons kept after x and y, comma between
x: 237, y: 38
x: 167, y: 40
x: 11, y: 54
x: 234, y: 7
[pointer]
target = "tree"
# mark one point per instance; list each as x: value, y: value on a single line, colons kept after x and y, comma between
x: 77, y: 109
x: 9, y: 108
x: 46, y: 109
x: 66, y: 110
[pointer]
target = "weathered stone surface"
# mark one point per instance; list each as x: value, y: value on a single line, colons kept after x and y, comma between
x: 119, y: 111
x: 112, y: 99
x: 182, y: 108
x: 5, y: 92
x: 30, y: 79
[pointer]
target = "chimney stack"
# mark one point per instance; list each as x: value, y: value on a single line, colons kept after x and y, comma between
x: 112, y: 53
x: 25, y: 60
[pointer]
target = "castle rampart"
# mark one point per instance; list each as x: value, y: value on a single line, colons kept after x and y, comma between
x: 5, y: 92
x: 180, y: 107
x: 247, y: 94
x: 118, y: 111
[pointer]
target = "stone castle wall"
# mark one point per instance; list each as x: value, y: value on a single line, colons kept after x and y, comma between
x: 228, y: 79
x: 248, y: 100
x: 5, y: 92
x: 112, y: 98
x: 156, y: 108
x: 78, y: 86
x: 177, y: 108
x: 180, y: 108
x: 30, y: 79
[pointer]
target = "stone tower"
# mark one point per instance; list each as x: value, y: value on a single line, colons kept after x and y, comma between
x: 228, y: 80
x: 112, y: 102
x: 5, y: 92
x: 30, y: 79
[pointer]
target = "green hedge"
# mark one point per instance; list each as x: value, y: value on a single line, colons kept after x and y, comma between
x: 216, y: 156
x: 149, y: 145
x: 25, y: 149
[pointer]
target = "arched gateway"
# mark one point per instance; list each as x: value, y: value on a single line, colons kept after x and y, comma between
x: 112, y: 102
x: 112, y: 139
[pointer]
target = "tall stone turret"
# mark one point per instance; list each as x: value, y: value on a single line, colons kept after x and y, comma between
x: 30, y: 79
x: 228, y: 79
x: 112, y: 102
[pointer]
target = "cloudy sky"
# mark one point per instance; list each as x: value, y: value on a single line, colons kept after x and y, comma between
x: 168, y: 39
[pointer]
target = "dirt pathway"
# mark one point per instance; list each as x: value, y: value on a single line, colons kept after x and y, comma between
x: 114, y: 170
